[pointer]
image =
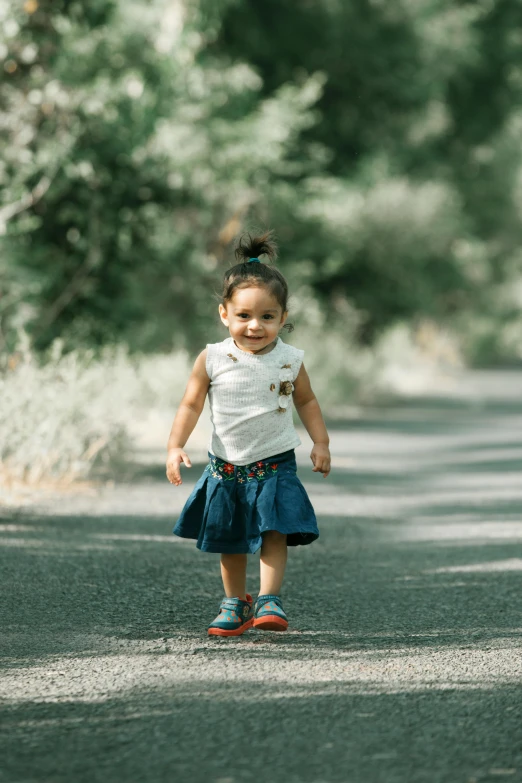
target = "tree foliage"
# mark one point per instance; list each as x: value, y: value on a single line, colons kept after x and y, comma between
x: 131, y: 159
x: 379, y: 139
x: 417, y: 212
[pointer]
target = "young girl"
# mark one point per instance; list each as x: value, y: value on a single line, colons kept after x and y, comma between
x: 249, y: 495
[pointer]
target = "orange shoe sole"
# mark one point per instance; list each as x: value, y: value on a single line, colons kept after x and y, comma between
x: 270, y: 622
x: 235, y: 632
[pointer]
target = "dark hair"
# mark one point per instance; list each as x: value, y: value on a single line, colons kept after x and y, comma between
x: 247, y: 273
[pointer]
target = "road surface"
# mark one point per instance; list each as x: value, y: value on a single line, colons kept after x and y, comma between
x: 403, y: 662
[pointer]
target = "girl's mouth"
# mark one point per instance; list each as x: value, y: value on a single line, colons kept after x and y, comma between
x: 254, y: 338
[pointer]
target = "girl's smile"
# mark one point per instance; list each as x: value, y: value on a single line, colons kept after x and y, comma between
x: 253, y: 317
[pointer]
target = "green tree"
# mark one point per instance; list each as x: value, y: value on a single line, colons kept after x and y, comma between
x: 132, y: 156
x: 417, y: 213
x: 380, y: 140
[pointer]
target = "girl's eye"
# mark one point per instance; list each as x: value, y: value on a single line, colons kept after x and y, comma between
x: 244, y: 316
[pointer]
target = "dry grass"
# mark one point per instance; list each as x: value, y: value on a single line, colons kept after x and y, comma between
x: 62, y: 417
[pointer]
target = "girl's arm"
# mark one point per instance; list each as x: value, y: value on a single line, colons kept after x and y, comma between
x: 310, y: 414
x: 186, y: 418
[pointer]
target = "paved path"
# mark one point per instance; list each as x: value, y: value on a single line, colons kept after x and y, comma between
x: 403, y: 663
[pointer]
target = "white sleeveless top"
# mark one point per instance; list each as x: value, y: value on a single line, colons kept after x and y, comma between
x: 246, y: 393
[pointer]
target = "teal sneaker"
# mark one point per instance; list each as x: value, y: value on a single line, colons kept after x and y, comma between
x: 269, y: 614
x: 235, y: 617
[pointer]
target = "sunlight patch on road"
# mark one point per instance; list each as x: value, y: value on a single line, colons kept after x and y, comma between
x: 50, y: 545
x: 72, y: 543
x: 99, y: 678
x: 470, y: 532
x: 141, y: 537
x: 512, y: 564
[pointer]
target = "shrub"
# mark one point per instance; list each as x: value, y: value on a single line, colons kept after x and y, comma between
x: 61, y: 417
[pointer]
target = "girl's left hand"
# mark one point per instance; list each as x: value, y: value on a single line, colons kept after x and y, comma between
x: 320, y: 456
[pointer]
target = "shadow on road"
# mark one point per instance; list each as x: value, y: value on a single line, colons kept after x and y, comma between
x: 206, y: 731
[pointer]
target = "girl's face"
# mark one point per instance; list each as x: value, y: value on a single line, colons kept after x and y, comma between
x: 254, y: 318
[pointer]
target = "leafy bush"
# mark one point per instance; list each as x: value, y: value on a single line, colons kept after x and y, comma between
x: 63, y: 416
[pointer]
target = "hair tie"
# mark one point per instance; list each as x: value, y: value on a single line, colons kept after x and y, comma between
x: 254, y: 259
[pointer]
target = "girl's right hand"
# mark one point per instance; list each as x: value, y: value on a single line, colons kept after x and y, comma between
x: 174, y: 459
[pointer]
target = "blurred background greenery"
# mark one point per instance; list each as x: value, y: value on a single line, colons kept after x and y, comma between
x: 380, y: 139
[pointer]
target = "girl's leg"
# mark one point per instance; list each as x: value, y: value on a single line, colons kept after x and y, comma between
x: 273, y: 562
x: 233, y: 573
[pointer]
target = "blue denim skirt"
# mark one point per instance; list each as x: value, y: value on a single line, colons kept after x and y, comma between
x: 231, y: 506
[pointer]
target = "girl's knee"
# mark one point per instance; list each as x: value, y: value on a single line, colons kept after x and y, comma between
x: 274, y: 536
x: 233, y: 558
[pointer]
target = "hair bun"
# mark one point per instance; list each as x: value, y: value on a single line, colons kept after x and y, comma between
x: 250, y: 247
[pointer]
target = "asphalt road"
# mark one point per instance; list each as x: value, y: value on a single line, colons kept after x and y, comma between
x: 403, y: 660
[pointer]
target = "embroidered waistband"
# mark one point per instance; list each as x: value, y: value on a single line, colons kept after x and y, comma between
x: 255, y: 471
